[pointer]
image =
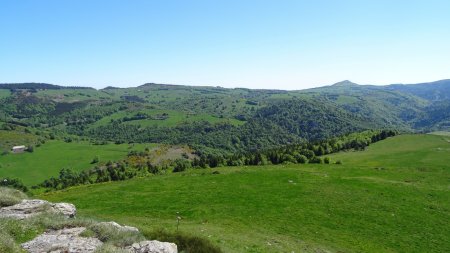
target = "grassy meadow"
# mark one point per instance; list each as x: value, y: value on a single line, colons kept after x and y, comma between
x: 48, y: 159
x: 393, y: 197
x: 8, y: 139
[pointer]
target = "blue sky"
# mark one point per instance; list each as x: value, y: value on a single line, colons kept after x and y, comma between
x: 255, y: 44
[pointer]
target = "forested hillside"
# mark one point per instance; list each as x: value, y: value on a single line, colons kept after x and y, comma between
x: 220, y: 120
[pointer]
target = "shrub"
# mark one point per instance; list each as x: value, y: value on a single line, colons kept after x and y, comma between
x: 301, y: 159
x: 13, y: 183
x: 326, y: 160
x: 316, y: 159
x: 95, y: 160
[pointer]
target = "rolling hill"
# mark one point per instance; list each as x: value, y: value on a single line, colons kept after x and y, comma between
x: 392, y: 197
x: 215, y: 119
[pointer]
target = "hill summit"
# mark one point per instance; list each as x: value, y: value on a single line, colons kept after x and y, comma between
x: 345, y: 83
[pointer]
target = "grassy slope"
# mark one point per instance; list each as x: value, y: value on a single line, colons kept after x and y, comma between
x: 411, y: 151
x: 47, y: 160
x: 175, y: 118
x: 351, y: 208
x: 8, y: 139
x: 4, y: 93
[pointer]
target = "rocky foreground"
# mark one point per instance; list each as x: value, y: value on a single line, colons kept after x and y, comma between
x: 71, y: 240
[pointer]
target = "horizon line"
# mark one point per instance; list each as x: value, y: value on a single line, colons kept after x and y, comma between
x: 219, y: 86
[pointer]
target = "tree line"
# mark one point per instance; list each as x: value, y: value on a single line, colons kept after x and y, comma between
x: 138, y: 164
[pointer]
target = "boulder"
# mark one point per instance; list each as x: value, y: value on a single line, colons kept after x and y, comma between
x: 66, y: 240
x: 119, y: 227
x: 153, y: 247
x: 30, y: 207
x: 65, y: 209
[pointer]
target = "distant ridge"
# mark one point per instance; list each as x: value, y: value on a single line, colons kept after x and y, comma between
x: 440, y: 89
x: 38, y: 86
x: 418, y: 89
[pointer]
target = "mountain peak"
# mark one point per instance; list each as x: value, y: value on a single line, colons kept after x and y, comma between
x: 344, y: 83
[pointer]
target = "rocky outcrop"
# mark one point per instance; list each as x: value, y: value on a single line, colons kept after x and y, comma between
x: 31, y: 207
x: 153, y: 247
x: 66, y: 240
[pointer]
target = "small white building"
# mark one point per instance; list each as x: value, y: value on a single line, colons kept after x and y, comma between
x: 18, y: 149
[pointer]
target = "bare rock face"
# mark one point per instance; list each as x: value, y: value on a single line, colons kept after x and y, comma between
x: 30, y: 207
x: 66, y: 240
x: 119, y: 227
x: 153, y: 247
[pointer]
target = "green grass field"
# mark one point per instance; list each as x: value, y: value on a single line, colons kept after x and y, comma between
x: 50, y: 158
x: 393, y: 197
x: 407, y: 151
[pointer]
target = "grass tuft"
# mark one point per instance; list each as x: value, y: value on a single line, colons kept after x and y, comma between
x: 9, y: 196
x: 8, y: 245
x: 112, y: 235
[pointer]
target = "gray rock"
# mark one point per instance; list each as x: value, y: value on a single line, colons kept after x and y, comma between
x: 153, y: 247
x: 66, y: 240
x: 65, y: 209
x: 30, y: 207
x: 119, y: 227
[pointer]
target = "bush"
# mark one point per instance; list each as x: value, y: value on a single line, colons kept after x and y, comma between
x: 13, y: 183
x: 301, y: 159
x: 95, y: 160
x: 326, y: 160
x: 186, y: 243
x: 316, y: 159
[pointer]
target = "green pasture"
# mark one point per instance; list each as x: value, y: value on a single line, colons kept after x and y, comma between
x: 47, y: 160
x: 393, y: 197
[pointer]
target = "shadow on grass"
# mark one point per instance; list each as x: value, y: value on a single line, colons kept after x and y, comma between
x: 186, y: 243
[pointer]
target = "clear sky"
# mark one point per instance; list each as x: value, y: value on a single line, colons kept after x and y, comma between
x: 244, y: 43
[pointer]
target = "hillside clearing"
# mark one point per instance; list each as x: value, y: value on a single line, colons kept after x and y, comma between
x: 51, y: 157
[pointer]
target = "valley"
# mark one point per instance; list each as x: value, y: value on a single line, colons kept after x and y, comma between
x: 341, y: 168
